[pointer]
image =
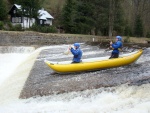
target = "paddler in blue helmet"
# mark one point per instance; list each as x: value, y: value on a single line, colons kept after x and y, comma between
x: 76, y: 51
x: 116, y: 46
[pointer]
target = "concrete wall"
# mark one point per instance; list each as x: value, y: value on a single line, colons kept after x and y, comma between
x: 10, y: 38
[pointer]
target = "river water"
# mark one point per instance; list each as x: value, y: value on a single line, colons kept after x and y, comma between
x: 120, y: 99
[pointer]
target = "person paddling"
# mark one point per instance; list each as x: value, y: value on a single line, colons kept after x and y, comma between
x: 116, y: 46
x: 76, y: 51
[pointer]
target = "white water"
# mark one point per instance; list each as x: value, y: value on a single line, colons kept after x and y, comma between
x: 8, y: 63
x: 122, y: 99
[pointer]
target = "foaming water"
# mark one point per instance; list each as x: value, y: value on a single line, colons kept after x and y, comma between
x: 18, y: 69
x: 8, y: 63
x: 121, y: 99
x: 10, y: 58
x: 14, y: 49
x: 146, y: 57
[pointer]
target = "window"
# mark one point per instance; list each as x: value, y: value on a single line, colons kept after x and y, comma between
x: 16, y: 19
x: 41, y: 21
x: 14, y: 11
x: 19, y: 20
x: 13, y: 21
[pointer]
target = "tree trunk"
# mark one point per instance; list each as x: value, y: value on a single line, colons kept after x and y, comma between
x: 111, y: 18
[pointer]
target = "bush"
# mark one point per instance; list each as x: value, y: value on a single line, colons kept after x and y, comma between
x: 16, y: 27
x: 138, y: 28
x: 48, y: 29
x: 127, y: 31
x: 127, y: 39
x: 1, y: 25
x: 44, y: 29
x: 148, y: 35
x: 34, y: 27
x: 7, y: 26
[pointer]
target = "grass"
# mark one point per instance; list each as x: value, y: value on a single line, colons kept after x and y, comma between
x: 138, y: 39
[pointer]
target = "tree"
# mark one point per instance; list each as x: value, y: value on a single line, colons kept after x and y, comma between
x: 119, y: 23
x: 101, y: 16
x: 83, y: 18
x: 132, y: 8
x: 30, y: 8
x: 3, y: 11
x: 111, y: 17
x: 78, y: 17
x: 106, y: 17
x: 127, y: 30
x: 12, y: 1
x: 138, y: 29
x: 68, y: 13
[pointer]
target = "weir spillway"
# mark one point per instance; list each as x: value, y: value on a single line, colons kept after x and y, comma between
x: 42, y: 81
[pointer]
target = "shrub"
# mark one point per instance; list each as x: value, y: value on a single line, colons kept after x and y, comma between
x: 138, y: 28
x: 127, y: 39
x: 34, y: 27
x: 127, y: 31
x: 1, y: 25
x: 44, y: 29
x: 148, y: 35
x: 7, y: 26
x: 16, y: 27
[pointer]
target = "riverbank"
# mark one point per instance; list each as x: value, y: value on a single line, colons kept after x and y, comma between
x: 29, y: 38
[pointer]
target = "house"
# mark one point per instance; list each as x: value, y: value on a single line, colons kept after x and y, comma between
x: 16, y: 17
x: 44, y: 17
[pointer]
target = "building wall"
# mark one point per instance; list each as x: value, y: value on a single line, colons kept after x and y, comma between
x: 25, y: 22
x: 16, y: 18
x: 49, y: 21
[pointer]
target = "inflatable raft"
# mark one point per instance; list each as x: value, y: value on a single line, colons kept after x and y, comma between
x: 94, y: 63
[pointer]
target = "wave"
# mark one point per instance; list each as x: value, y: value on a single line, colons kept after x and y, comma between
x: 16, y: 49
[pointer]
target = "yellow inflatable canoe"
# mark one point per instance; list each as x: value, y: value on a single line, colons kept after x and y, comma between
x: 94, y: 63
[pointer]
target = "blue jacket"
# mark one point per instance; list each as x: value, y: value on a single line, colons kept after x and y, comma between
x: 116, y: 46
x: 77, y: 54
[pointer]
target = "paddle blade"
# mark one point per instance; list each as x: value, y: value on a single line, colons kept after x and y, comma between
x: 67, y: 52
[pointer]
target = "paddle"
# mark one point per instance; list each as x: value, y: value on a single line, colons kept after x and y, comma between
x: 67, y: 51
x: 109, y: 47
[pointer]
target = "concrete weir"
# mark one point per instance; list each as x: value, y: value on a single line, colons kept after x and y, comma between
x: 34, y: 78
x: 43, y: 82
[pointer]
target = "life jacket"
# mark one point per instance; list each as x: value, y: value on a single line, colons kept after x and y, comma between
x: 77, y: 54
x: 117, y: 47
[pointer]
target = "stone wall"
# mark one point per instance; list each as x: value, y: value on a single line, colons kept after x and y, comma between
x: 10, y: 38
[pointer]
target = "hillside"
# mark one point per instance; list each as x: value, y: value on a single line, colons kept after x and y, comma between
x: 99, y: 17
x: 53, y: 6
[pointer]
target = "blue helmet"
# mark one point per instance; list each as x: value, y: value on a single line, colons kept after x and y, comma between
x: 119, y: 38
x: 77, y: 45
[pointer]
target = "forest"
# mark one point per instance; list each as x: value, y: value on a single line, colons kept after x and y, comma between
x: 96, y: 17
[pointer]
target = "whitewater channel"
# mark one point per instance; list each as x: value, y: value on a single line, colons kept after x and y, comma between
x: 17, y: 62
